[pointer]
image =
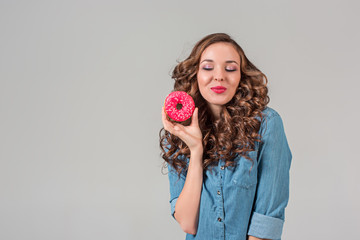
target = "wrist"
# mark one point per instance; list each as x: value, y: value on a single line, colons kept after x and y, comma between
x: 197, y: 150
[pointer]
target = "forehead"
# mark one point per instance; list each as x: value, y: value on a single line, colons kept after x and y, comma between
x: 221, y: 51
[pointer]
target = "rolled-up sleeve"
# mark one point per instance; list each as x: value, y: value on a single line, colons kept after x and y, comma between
x: 176, y: 185
x: 272, y: 194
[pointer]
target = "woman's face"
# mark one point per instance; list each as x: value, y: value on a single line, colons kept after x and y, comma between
x: 219, y: 66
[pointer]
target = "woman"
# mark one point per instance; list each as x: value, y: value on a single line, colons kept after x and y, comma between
x: 228, y: 167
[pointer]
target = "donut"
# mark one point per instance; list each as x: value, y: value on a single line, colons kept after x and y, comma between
x: 179, y: 106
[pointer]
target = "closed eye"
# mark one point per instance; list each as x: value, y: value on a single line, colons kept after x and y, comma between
x: 228, y: 70
x: 207, y: 69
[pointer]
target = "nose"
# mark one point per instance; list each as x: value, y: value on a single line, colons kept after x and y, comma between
x: 219, y: 75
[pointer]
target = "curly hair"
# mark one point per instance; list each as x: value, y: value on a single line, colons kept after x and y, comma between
x: 237, y: 129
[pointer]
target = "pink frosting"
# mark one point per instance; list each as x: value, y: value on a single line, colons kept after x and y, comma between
x: 187, y: 102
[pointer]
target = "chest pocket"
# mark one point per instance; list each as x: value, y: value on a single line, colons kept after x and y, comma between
x: 245, y: 172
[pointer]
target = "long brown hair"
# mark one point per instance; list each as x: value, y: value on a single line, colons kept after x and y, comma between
x: 237, y: 129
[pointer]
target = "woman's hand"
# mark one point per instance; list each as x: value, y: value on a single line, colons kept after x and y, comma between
x: 255, y: 238
x: 191, y: 134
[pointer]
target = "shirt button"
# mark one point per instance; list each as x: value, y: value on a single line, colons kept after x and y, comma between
x: 218, y: 192
x: 219, y: 219
x: 222, y: 167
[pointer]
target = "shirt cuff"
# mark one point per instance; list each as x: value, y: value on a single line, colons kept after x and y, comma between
x: 263, y: 226
x: 172, y: 204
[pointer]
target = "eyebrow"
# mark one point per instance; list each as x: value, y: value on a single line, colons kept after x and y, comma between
x: 228, y: 61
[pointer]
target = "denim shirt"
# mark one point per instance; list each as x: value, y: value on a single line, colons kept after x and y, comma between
x: 235, y: 202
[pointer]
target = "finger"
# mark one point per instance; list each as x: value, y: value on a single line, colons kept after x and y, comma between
x: 178, y: 127
x: 163, y: 114
x: 179, y: 130
x: 164, y: 120
x: 167, y: 124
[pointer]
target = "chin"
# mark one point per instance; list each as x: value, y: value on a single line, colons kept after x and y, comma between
x: 222, y: 102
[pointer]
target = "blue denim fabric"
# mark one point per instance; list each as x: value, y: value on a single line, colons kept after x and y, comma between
x: 248, y: 203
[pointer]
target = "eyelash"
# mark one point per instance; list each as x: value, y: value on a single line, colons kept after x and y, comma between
x: 228, y: 70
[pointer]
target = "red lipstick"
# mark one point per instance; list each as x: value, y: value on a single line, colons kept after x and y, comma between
x: 218, y: 89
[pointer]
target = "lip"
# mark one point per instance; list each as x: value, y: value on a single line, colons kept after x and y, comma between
x: 218, y: 89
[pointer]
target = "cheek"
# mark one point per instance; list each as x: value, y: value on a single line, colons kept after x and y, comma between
x: 203, y: 79
x: 236, y: 80
x: 203, y: 83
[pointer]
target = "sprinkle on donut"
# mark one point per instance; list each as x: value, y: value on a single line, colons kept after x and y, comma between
x: 179, y: 106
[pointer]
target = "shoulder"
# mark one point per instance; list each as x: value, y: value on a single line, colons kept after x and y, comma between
x: 272, y: 120
x: 269, y: 113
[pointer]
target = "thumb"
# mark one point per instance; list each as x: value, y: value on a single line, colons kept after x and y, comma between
x: 194, y: 120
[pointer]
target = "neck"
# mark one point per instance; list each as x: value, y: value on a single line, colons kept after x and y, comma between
x: 215, y: 111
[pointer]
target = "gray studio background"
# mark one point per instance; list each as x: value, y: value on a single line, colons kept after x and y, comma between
x: 81, y: 89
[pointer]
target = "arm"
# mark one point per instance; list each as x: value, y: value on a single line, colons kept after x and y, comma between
x: 187, y: 204
x: 272, y: 194
x: 185, y: 194
x: 255, y: 238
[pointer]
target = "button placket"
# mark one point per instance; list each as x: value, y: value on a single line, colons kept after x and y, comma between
x: 219, y: 198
